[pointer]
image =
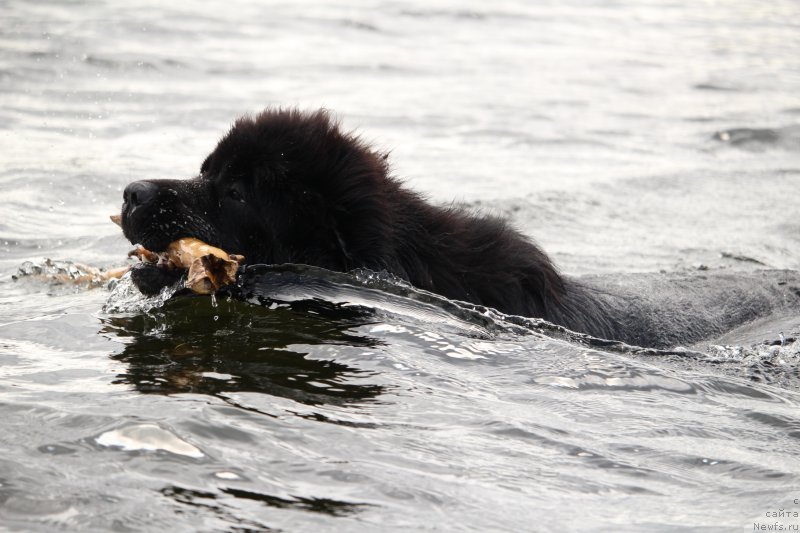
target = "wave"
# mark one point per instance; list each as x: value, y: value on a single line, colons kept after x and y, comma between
x: 380, y: 297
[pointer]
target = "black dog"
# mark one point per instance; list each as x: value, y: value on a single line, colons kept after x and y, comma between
x: 290, y: 187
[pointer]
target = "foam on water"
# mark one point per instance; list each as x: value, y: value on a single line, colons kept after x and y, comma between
x: 147, y: 438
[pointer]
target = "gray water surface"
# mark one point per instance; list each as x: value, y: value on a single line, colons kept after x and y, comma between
x: 623, y: 136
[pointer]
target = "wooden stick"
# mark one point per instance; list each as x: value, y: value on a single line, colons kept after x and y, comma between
x: 209, y: 267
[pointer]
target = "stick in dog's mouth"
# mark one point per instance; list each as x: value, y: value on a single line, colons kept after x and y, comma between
x: 209, y: 267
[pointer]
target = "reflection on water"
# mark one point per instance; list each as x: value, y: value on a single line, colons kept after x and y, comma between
x: 193, y: 345
x: 204, y: 500
x: 208, y: 499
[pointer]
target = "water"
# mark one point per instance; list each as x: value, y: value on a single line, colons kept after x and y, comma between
x: 624, y: 136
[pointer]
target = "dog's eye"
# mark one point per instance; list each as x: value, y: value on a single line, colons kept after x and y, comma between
x: 234, y: 194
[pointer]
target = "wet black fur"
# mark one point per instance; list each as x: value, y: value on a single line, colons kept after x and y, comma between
x: 308, y: 193
x: 291, y: 187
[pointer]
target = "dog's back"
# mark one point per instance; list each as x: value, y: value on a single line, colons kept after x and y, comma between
x: 666, y: 310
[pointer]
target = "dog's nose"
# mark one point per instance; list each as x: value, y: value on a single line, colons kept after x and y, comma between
x: 140, y: 193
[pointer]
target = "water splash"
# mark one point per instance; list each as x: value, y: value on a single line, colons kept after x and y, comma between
x: 126, y: 298
x: 62, y: 273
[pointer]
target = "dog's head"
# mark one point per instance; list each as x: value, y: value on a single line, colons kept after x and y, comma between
x: 284, y: 186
